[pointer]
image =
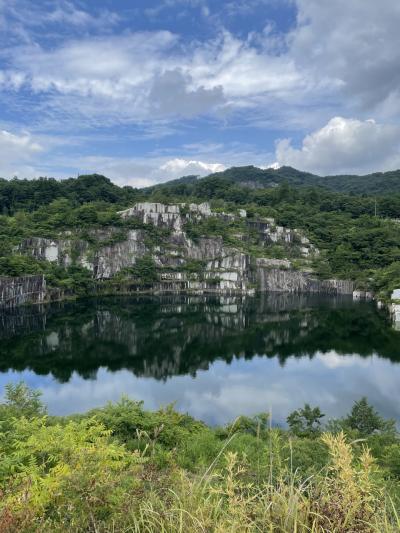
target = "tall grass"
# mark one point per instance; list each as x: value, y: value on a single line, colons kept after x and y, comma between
x: 122, y: 470
x: 228, y: 498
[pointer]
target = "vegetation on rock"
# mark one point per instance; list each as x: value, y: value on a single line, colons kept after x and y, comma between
x: 358, y: 235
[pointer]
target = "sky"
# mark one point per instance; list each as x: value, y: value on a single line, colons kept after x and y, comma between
x: 149, y: 90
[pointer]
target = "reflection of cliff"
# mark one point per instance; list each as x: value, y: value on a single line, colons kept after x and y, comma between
x: 162, y: 337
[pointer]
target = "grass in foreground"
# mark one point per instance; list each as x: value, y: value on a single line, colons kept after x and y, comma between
x: 123, y: 469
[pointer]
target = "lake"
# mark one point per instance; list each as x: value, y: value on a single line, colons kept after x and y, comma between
x: 216, y: 357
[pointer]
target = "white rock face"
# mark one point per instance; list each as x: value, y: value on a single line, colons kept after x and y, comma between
x: 362, y: 295
x: 264, y: 262
x: 22, y: 290
x: 358, y: 295
x: 396, y: 294
x: 111, y: 259
x: 221, y: 268
x: 203, y: 209
x: 171, y: 216
x: 51, y: 252
x: 395, y: 311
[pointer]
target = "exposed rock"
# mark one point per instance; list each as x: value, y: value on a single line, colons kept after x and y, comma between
x: 22, y: 290
x: 396, y: 294
x: 61, y: 251
x: 109, y: 260
x: 221, y: 268
x: 171, y: 216
x: 395, y: 312
x: 362, y: 295
x: 263, y: 262
x: 288, y: 280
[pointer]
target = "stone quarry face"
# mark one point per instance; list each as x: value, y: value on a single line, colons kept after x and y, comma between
x: 396, y: 294
x: 226, y: 269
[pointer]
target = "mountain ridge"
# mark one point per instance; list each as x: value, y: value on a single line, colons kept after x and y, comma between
x: 377, y: 183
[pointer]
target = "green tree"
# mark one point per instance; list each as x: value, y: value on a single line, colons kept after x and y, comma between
x: 20, y: 400
x: 305, y: 422
x: 365, y: 419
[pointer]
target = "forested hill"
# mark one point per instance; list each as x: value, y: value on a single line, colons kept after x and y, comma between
x: 379, y: 183
x: 29, y: 195
x: 357, y: 235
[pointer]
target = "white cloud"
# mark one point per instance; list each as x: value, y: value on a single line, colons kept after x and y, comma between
x: 24, y: 13
x: 110, y: 66
x: 179, y: 167
x: 354, y: 45
x: 10, y: 141
x: 17, y: 153
x: 145, y: 171
x: 243, y: 69
x: 84, y: 76
x: 147, y: 75
x: 170, y: 95
x: 344, y: 146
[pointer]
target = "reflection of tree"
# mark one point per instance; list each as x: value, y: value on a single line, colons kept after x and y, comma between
x: 166, y: 336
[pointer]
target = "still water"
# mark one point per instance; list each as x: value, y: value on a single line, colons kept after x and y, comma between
x: 216, y: 357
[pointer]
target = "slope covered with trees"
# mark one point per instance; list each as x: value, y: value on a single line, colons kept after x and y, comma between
x: 358, y: 235
x: 379, y: 183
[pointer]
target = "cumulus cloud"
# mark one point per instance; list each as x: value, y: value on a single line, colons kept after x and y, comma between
x: 179, y: 167
x: 170, y: 95
x: 151, y: 74
x: 81, y: 75
x: 17, y: 153
x: 143, y: 74
x: 344, y: 146
x: 145, y: 171
x: 352, y: 45
x: 245, y: 69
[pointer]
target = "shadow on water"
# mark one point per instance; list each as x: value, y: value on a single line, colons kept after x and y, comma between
x: 165, y: 336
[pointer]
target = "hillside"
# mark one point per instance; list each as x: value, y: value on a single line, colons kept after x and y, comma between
x: 379, y: 183
x: 29, y: 195
x: 211, y: 234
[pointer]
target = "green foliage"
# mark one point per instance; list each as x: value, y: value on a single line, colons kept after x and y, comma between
x: 365, y: 419
x: 254, y: 425
x: 194, y: 266
x: 132, y: 424
x: 17, y: 194
x: 305, y: 422
x: 357, y: 235
x: 144, y: 269
x: 20, y: 265
x: 122, y: 468
x: 20, y: 400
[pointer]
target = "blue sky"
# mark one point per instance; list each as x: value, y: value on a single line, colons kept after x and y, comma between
x: 146, y: 91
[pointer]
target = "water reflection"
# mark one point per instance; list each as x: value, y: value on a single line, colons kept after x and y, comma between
x: 281, y: 350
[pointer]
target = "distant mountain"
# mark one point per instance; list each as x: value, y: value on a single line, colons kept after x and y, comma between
x: 260, y: 178
x: 379, y: 183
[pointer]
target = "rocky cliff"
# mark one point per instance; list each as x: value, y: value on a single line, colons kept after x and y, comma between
x: 191, y: 249
x: 22, y: 290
